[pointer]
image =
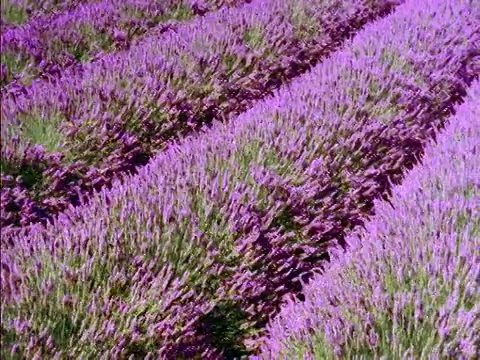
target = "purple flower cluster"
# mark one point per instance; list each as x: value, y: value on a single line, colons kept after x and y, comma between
x: 46, y: 45
x: 17, y: 12
x: 193, y: 255
x: 409, y: 284
x: 111, y: 116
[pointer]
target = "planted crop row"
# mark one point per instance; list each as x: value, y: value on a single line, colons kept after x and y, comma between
x: 242, y: 212
x: 385, y: 112
x: 116, y: 113
x: 17, y: 12
x: 408, y: 286
x: 46, y: 45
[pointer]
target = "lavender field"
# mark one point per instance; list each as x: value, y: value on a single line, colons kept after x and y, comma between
x: 233, y: 179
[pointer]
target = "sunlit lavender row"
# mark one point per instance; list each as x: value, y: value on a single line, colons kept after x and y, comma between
x: 47, y: 44
x: 114, y: 114
x: 194, y: 253
x: 408, y: 286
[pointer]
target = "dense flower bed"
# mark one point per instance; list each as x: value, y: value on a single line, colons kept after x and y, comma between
x: 111, y: 116
x: 408, y: 286
x: 194, y: 254
x: 46, y: 45
x: 17, y: 12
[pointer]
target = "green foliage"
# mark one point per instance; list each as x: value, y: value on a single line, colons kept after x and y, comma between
x: 8, y: 339
x: 285, y: 220
x: 231, y: 63
x: 63, y: 320
x: 42, y: 131
x: 319, y: 346
x: 225, y: 327
x: 49, y: 315
x: 381, y: 102
x: 139, y: 349
x: 63, y: 329
x: 16, y: 63
x: 305, y: 26
x: 13, y: 14
x: 91, y: 39
x: 31, y: 174
x: 180, y: 13
x: 254, y: 37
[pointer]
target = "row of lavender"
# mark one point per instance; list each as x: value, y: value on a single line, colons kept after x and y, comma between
x: 17, y: 12
x: 116, y: 113
x: 195, y: 253
x: 47, y: 44
x: 409, y: 286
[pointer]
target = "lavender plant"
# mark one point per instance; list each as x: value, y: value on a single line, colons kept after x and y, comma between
x: 48, y: 44
x: 17, y: 12
x: 207, y: 70
x: 408, y: 286
x: 240, y: 213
